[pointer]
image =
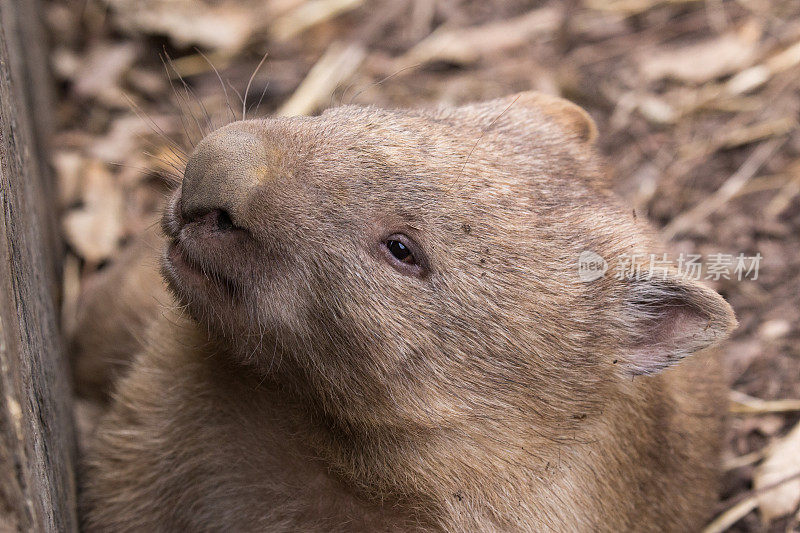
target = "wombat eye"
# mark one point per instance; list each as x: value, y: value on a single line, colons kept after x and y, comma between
x: 400, y: 251
x: 404, y: 255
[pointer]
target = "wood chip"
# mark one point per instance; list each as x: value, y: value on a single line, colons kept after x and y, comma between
x: 727, y: 191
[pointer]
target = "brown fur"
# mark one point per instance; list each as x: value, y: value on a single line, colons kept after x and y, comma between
x: 113, y: 314
x: 314, y: 387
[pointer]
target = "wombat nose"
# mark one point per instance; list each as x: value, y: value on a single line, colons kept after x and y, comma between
x: 220, y: 175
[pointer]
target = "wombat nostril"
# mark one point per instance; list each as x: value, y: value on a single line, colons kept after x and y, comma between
x: 224, y: 222
x: 214, y: 220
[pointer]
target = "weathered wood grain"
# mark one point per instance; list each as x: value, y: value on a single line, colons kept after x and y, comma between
x: 37, y: 487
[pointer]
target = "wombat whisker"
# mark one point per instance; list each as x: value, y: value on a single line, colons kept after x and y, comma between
x: 177, y: 166
x: 153, y: 126
x: 180, y: 99
x: 249, y: 82
x: 171, y: 163
x: 376, y: 83
x: 186, y: 126
x: 222, y: 84
x: 209, y: 122
x: 261, y: 98
x: 146, y: 171
x: 238, y: 94
x: 169, y: 155
x: 484, y: 131
x: 190, y: 92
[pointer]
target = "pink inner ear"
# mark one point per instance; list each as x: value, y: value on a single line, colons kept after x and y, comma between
x: 676, y: 332
x: 681, y: 326
x: 672, y: 320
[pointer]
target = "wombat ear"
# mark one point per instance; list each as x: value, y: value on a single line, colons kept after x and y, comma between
x: 667, y: 319
x: 515, y: 112
x: 571, y: 117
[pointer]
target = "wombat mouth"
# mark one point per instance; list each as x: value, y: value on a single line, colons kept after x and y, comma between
x: 185, y: 265
x: 183, y: 273
x: 194, y: 284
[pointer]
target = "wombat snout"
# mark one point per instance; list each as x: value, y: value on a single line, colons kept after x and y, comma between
x: 220, y: 176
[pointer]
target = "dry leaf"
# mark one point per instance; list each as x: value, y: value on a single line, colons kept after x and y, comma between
x: 309, y: 14
x: 223, y: 26
x: 465, y: 45
x: 704, y: 61
x: 94, y: 230
x: 782, y: 462
x: 101, y: 72
x: 124, y: 138
x: 68, y: 166
x: 775, y: 329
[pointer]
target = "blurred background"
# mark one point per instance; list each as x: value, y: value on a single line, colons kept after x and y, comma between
x: 696, y: 101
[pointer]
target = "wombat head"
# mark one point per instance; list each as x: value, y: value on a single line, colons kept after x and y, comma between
x: 419, y: 266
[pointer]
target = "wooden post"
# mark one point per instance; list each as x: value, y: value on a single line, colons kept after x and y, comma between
x: 37, y: 481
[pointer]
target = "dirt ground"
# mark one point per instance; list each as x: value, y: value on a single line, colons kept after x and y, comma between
x: 697, y: 105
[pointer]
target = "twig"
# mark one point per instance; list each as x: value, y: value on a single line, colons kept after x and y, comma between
x: 222, y: 84
x: 784, y: 197
x: 743, y: 507
x: 745, y: 460
x: 338, y: 63
x: 732, y: 515
x: 727, y: 191
x: 744, y: 404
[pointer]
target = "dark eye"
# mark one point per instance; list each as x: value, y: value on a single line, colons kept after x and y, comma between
x: 405, y: 255
x: 400, y: 251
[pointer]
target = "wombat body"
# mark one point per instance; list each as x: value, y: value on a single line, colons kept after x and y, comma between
x: 113, y: 315
x: 382, y: 328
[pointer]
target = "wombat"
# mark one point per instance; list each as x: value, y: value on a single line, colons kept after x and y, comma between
x: 114, y: 312
x: 381, y: 326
